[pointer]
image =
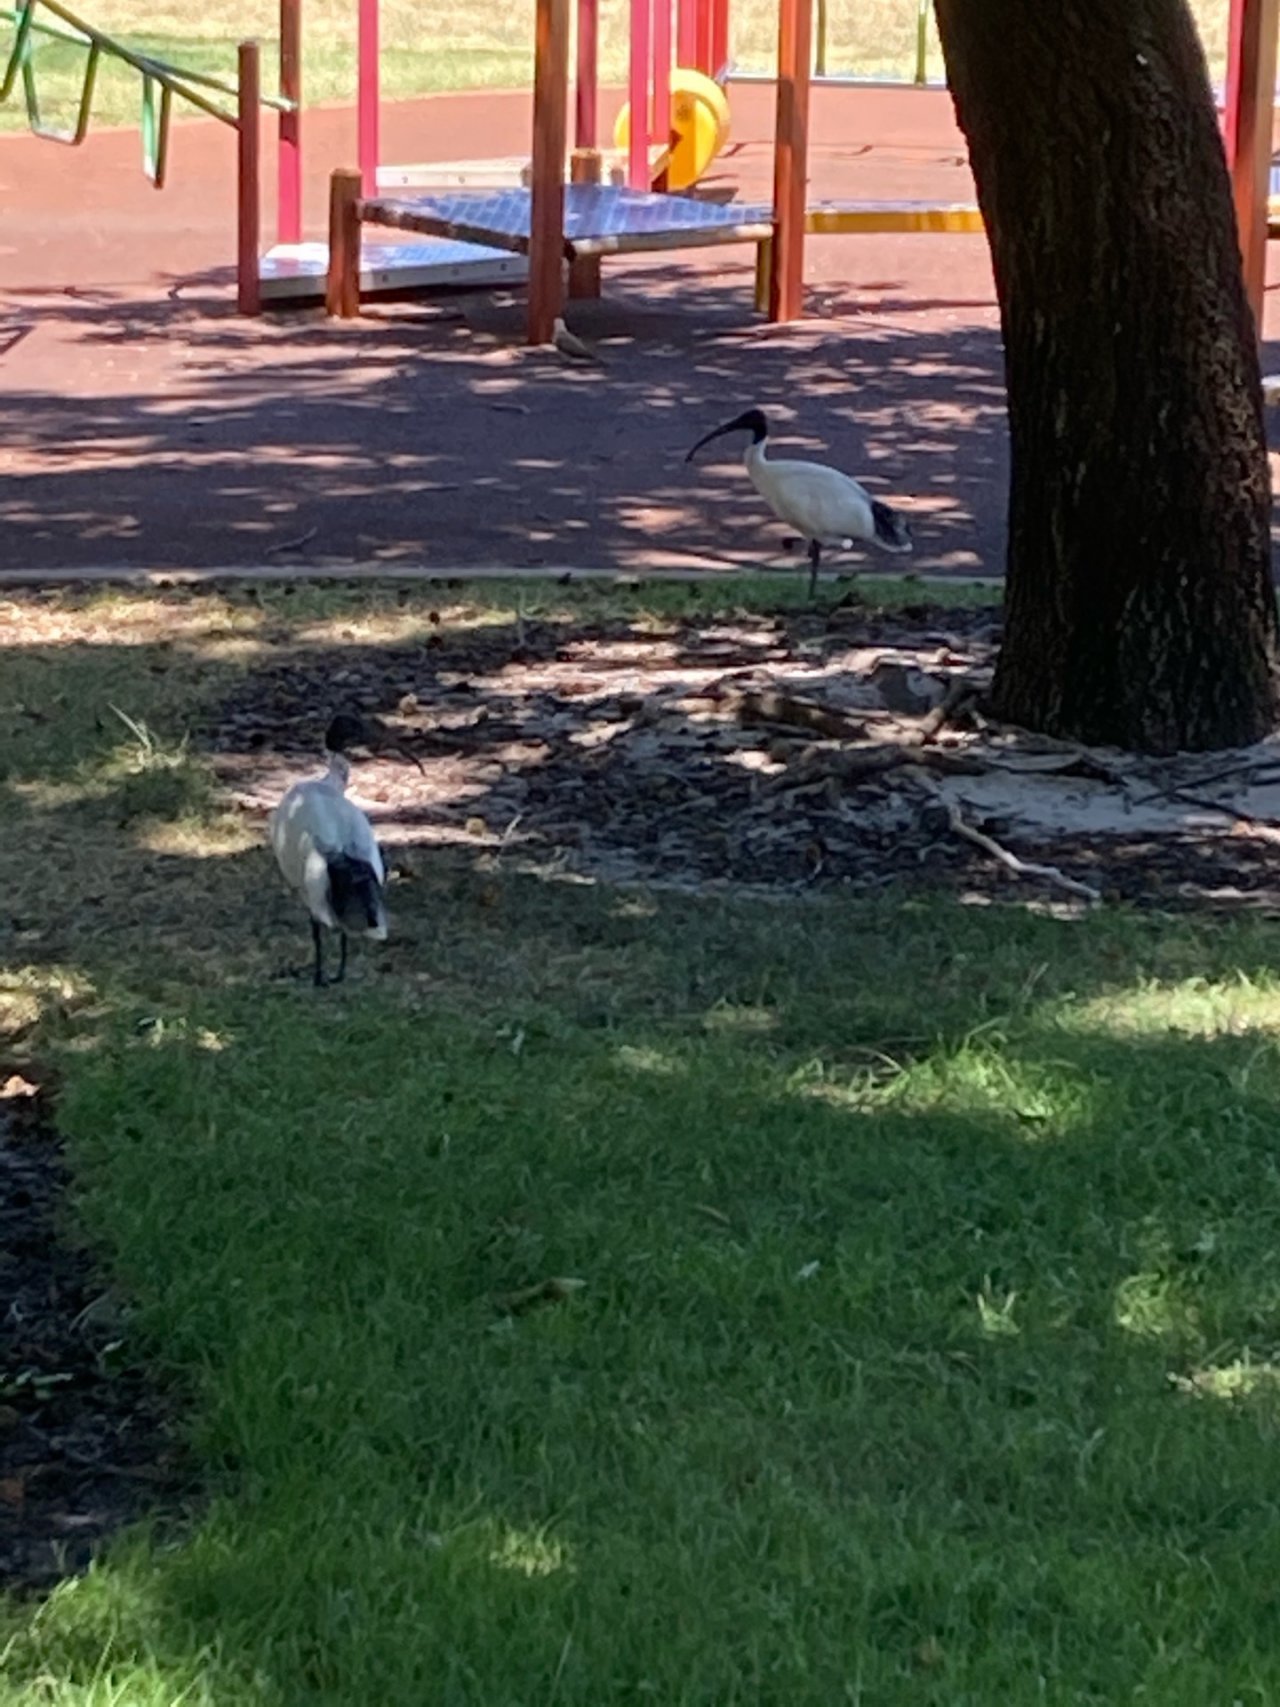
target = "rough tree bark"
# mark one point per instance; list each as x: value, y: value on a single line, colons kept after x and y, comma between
x: 1139, y: 607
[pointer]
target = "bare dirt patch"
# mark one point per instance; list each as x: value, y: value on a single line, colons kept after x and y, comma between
x: 85, y: 1441
x: 785, y: 751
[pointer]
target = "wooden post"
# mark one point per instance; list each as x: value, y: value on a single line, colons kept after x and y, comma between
x: 546, y: 215
x: 790, y: 160
x: 1251, y: 81
x: 342, y: 284
x: 584, y: 273
x: 764, y: 273
x: 248, y: 179
x: 289, y: 130
x: 368, y: 96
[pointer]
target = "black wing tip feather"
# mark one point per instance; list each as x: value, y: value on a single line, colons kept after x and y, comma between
x: 354, y: 891
x: 891, y: 527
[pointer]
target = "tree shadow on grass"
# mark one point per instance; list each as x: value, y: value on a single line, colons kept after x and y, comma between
x: 929, y: 1313
x: 929, y: 1306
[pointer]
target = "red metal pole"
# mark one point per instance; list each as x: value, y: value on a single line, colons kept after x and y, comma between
x: 719, y: 37
x: 248, y: 179
x: 638, y: 96
x: 1250, y: 112
x: 686, y: 33
x: 587, y: 82
x: 546, y: 214
x: 790, y: 160
x: 702, y: 58
x: 289, y: 151
x: 368, y: 96
x: 660, y: 123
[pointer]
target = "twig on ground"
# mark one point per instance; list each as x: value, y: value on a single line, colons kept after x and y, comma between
x: 1226, y: 808
x: 292, y: 544
x: 1257, y: 769
x: 1012, y: 862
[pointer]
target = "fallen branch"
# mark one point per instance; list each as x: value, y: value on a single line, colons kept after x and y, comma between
x: 773, y: 706
x: 854, y: 764
x: 1011, y: 861
x: 961, y: 695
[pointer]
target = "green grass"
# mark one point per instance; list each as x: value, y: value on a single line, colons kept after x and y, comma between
x: 928, y: 1346
x: 447, y: 45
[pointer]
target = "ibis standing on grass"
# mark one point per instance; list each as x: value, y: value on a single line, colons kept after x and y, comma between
x: 825, y: 507
x: 327, y: 851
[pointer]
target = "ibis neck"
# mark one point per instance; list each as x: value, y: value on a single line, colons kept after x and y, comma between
x: 754, y: 456
x: 339, y: 770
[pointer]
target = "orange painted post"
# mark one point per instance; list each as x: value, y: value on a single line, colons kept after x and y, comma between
x: 550, y: 122
x: 248, y: 179
x: 1251, y: 81
x: 342, y: 283
x: 790, y: 160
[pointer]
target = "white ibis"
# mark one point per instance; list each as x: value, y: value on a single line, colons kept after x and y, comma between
x: 327, y: 851
x: 825, y: 507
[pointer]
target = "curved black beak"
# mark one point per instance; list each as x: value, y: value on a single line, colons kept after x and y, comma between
x: 347, y: 730
x: 715, y: 433
x: 408, y: 757
x: 750, y: 421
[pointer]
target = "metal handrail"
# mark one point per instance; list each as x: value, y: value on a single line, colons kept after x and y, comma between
x: 921, y: 77
x: 156, y: 73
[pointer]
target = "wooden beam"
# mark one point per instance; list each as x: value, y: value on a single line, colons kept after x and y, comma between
x: 342, y: 283
x: 1250, y: 111
x: 550, y: 122
x: 790, y: 160
x: 584, y: 273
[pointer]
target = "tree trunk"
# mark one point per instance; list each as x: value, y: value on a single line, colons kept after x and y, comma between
x: 1139, y: 609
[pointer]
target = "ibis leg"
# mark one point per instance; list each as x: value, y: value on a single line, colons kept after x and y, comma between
x: 815, y: 558
x: 318, y: 978
x: 342, y: 960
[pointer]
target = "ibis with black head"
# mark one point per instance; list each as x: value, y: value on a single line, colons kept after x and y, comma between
x: 327, y: 851
x: 827, y: 509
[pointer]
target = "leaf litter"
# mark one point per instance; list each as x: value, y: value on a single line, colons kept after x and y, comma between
x: 781, y: 752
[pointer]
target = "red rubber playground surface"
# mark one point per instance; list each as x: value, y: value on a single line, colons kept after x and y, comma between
x: 142, y: 424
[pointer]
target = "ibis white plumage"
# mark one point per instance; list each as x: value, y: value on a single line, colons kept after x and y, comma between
x: 328, y: 854
x: 824, y: 506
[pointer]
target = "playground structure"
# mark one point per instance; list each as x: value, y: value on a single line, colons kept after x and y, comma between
x: 552, y: 223
x: 501, y: 220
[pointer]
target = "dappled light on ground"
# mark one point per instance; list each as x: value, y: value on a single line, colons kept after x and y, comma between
x: 616, y: 1287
